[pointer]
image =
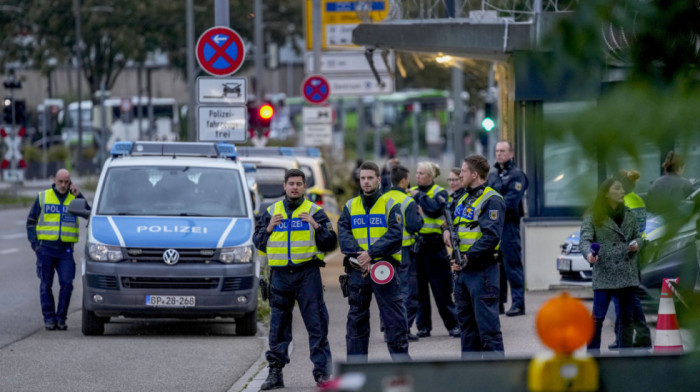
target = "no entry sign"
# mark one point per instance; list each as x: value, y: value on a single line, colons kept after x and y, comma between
x: 220, y: 51
x: 316, y: 89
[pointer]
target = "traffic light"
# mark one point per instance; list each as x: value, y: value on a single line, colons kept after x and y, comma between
x: 260, y: 115
x: 488, y: 123
x: 7, y: 112
x: 20, y: 112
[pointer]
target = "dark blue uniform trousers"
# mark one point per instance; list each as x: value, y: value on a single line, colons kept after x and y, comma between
x: 477, y: 296
x: 512, y: 260
x: 60, y: 260
x: 434, y: 269
x: 303, y: 285
x: 408, y: 278
x: 391, y: 312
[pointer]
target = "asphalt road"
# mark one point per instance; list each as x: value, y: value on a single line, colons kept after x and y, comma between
x: 178, y: 355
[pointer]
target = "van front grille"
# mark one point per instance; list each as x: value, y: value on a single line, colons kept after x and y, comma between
x: 140, y: 282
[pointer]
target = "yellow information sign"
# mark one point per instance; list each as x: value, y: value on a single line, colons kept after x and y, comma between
x: 339, y: 18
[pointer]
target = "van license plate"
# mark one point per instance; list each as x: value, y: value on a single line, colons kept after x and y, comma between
x: 564, y: 264
x: 170, y: 301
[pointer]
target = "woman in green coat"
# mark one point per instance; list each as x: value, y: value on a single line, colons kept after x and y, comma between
x: 614, y: 227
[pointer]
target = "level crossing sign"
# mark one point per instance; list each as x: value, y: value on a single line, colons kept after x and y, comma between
x: 13, y: 152
x: 220, y: 51
x: 316, y: 89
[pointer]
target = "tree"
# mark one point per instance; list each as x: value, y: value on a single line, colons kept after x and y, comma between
x: 118, y: 33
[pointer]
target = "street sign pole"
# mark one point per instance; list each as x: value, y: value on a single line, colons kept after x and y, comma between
x: 317, y: 35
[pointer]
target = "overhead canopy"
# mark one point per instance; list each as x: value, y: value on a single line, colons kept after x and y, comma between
x: 492, y: 39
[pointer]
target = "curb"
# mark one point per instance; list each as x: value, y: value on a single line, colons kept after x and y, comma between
x: 256, y: 374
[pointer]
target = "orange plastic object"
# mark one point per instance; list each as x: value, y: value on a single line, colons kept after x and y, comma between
x: 564, y: 324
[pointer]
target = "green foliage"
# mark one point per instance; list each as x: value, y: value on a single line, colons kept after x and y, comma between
x: 58, y: 153
x: 116, y: 32
x: 31, y: 154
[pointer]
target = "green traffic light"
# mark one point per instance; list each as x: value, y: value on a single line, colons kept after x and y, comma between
x: 488, y: 124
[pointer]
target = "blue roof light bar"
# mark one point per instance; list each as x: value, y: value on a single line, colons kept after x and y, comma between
x: 120, y: 149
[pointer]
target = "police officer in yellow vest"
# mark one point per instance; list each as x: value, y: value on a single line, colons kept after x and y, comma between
x: 295, y: 233
x: 52, y: 233
x: 412, y: 223
x: 434, y: 272
x: 370, y: 229
x: 478, y: 218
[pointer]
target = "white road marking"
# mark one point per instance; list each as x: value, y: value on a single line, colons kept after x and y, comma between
x: 8, y: 251
x: 12, y: 236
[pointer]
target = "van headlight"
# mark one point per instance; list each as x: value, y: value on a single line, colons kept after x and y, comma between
x: 236, y: 254
x: 102, y: 252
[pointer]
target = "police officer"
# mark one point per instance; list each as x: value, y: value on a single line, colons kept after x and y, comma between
x: 434, y: 272
x: 370, y: 229
x: 478, y: 219
x: 511, y: 183
x: 412, y: 222
x: 295, y: 233
x: 52, y: 233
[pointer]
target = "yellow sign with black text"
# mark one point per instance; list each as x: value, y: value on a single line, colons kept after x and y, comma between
x: 339, y: 18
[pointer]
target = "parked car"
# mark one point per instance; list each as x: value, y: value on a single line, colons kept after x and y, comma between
x: 269, y: 176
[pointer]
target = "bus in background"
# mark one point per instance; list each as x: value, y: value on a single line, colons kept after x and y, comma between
x: 123, y: 126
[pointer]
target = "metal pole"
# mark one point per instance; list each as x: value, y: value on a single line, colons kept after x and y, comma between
x: 103, y: 125
x: 221, y: 13
x: 458, y: 114
x: 360, y: 129
x: 79, y: 71
x: 139, y: 101
x: 259, y: 50
x: 149, y: 86
x: 414, y: 120
x: 44, y: 133
x: 376, y: 127
x: 316, y: 26
x: 192, y: 101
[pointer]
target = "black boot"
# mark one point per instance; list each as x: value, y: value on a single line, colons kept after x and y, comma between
x: 274, y: 379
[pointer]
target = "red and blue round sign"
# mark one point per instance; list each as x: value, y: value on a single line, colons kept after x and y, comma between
x: 316, y: 89
x: 220, y: 51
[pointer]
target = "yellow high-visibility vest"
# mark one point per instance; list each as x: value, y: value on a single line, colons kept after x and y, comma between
x: 368, y: 228
x: 432, y: 225
x: 55, y: 223
x: 403, y: 199
x: 636, y: 204
x: 465, y: 215
x: 292, y: 239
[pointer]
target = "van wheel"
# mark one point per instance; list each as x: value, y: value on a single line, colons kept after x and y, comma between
x: 247, y: 325
x: 92, y: 324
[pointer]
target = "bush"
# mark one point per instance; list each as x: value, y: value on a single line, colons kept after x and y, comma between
x: 58, y: 153
x: 31, y: 154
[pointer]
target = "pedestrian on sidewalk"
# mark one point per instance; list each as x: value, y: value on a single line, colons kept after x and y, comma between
x: 52, y: 233
x: 370, y: 230
x: 615, y: 229
x: 478, y: 219
x: 511, y: 183
x: 412, y: 223
x: 642, y: 334
x: 295, y: 233
x: 434, y: 272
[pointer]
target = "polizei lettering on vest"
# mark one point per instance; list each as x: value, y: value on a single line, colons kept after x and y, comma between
x: 172, y: 229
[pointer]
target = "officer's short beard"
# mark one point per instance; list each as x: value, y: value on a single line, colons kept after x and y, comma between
x: 368, y: 199
x: 294, y: 202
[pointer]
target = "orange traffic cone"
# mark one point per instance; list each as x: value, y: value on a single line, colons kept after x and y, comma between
x: 668, y: 335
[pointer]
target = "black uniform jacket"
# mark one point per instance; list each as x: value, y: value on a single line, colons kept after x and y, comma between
x: 511, y: 182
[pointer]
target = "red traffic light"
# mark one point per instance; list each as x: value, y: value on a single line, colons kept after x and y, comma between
x: 266, y: 111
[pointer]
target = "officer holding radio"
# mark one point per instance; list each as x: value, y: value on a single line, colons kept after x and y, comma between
x: 52, y: 233
x: 370, y: 230
x: 295, y: 233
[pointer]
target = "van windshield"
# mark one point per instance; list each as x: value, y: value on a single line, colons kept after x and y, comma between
x: 172, y: 191
x: 270, y: 181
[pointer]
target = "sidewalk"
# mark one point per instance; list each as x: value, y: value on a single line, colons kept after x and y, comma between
x: 519, y: 335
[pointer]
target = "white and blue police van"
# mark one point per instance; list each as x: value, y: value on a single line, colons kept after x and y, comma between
x: 170, y: 236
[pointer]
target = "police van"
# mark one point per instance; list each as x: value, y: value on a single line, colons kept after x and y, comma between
x: 170, y: 236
